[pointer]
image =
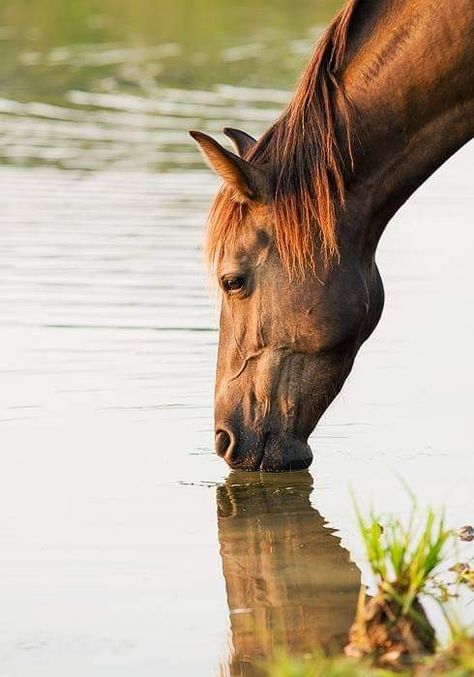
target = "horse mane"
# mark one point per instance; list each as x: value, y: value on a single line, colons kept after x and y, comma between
x: 306, y: 160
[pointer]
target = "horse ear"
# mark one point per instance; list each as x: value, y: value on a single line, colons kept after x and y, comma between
x: 241, y: 140
x: 248, y: 182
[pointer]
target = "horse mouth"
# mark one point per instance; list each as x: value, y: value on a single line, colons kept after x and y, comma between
x: 288, y: 461
x: 273, y: 454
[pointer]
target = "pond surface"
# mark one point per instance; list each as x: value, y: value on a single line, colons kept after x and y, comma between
x: 125, y: 545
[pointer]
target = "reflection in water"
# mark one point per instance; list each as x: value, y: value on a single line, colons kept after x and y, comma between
x: 289, y: 583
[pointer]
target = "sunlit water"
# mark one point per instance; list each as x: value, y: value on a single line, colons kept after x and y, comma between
x: 124, y: 546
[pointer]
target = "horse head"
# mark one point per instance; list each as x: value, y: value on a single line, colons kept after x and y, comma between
x: 291, y: 319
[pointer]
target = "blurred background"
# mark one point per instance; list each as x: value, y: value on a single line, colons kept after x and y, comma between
x: 109, y: 488
x: 101, y: 85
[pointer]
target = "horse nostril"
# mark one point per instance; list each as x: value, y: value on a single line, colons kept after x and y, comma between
x: 223, y: 442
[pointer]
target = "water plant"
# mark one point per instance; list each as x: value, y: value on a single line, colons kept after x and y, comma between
x: 392, y: 627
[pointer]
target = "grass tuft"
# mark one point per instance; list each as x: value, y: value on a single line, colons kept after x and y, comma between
x: 404, y: 559
x: 392, y: 627
x: 319, y: 665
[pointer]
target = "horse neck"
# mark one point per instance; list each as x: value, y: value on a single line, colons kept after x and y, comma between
x: 408, y: 74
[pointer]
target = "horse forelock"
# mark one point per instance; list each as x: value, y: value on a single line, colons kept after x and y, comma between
x: 306, y: 162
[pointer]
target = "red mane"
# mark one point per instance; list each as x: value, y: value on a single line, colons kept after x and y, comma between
x: 306, y: 162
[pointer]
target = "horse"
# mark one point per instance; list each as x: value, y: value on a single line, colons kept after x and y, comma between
x: 292, y: 234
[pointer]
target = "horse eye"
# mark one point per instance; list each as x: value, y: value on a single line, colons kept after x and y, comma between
x: 233, y: 284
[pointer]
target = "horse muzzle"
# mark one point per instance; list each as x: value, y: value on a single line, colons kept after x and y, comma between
x: 266, y: 451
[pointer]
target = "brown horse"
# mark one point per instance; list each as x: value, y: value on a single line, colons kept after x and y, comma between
x: 386, y: 98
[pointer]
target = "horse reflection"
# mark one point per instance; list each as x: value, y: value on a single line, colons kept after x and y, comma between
x: 289, y: 583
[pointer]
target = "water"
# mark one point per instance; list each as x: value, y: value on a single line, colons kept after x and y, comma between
x: 125, y: 548
x: 288, y: 581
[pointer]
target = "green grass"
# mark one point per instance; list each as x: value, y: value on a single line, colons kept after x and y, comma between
x: 404, y: 559
x: 455, y: 661
x: 319, y: 665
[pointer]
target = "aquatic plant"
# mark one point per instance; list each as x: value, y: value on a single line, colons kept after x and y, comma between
x: 392, y: 627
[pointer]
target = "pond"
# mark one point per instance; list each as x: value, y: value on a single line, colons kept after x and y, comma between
x: 126, y: 547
